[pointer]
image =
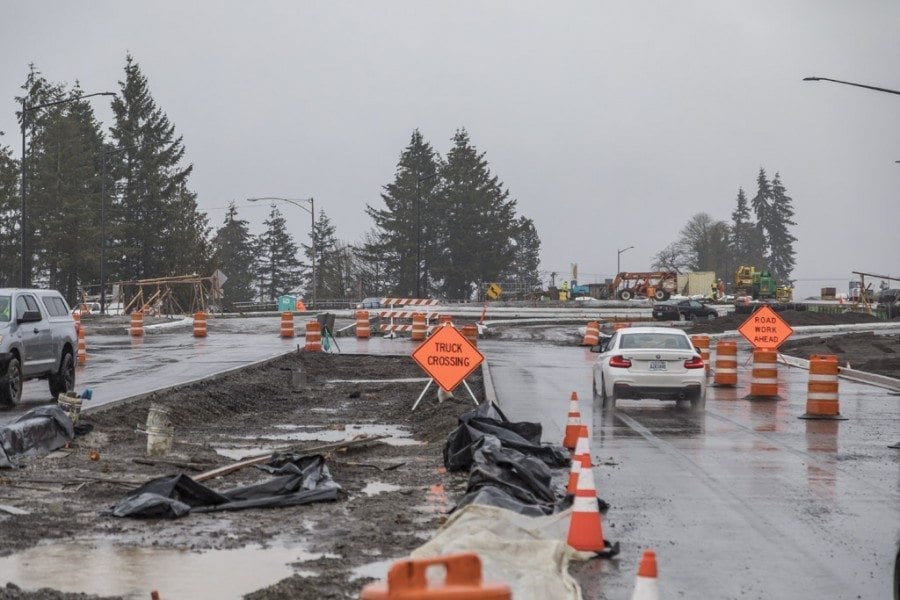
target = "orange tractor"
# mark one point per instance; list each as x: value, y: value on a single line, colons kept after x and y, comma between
x: 657, y: 285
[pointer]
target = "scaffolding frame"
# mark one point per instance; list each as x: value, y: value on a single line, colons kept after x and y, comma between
x: 157, y: 296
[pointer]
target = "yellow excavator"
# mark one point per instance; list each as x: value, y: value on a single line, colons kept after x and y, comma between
x: 759, y: 284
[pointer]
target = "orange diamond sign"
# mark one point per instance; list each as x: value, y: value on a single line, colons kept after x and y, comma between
x: 765, y: 329
x: 448, y: 357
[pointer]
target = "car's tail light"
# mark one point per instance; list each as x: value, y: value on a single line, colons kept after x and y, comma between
x: 619, y: 362
x: 694, y: 363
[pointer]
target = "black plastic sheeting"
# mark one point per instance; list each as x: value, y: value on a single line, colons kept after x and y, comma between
x: 488, y: 420
x: 508, y: 465
x: 38, y: 432
x: 509, y: 479
x: 297, y: 480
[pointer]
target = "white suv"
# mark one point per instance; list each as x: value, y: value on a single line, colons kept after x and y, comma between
x: 37, y: 341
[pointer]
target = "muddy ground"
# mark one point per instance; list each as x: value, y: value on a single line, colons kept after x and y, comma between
x: 865, y: 351
x: 67, y: 492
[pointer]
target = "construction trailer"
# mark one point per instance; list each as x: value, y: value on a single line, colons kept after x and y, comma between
x: 698, y: 283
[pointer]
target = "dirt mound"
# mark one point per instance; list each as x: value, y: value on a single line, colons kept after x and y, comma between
x: 862, y: 351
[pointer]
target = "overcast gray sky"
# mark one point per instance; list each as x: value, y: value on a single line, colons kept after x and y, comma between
x: 610, y: 122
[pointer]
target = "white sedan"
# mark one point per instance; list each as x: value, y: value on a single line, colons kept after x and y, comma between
x: 649, y: 362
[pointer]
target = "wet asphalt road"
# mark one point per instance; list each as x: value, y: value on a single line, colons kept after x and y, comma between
x: 120, y: 366
x: 746, y: 501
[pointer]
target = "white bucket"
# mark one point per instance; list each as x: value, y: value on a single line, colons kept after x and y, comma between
x: 71, y: 404
x: 159, y: 440
x: 158, y: 416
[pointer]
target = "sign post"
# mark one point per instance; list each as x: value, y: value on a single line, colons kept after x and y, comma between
x: 765, y: 329
x: 448, y: 358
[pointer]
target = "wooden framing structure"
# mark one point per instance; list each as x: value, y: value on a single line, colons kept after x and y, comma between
x: 185, y: 294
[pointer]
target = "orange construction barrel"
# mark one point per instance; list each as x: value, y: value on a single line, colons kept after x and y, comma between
x: 408, y: 580
x: 137, y: 324
x: 726, y: 363
x: 591, y: 334
x: 702, y: 342
x: 313, y: 337
x: 82, y: 347
x: 822, y: 388
x: 287, y: 324
x: 764, y: 378
x: 419, y: 327
x: 200, y: 324
x: 470, y: 332
x: 363, y: 329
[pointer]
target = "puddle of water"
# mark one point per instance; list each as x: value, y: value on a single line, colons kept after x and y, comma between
x: 108, y: 570
x: 377, y: 487
x: 376, y: 570
x: 243, y: 452
x: 393, y: 436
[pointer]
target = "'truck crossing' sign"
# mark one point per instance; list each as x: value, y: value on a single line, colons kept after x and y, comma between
x: 448, y: 357
x: 765, y: 329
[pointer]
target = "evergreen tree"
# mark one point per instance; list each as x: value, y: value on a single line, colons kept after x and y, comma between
x: 233, y: 254
x: 781, y: 241
x: 524, y: 268
x: 762, y: 203
x: 64, y: 197
x: 404, y: 227
x: 329, y: 262
x: 478, y: 222
x: 371, y: 279
x: 279, y: 269
x: 9, y: 218
x: 156, y: 226
x: 748, y: 245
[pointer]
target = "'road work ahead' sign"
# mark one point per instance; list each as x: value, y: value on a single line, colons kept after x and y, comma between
x: 765, y: 329
x: 448, y: 357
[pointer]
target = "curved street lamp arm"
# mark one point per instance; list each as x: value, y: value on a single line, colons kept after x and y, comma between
x: 868, y: 87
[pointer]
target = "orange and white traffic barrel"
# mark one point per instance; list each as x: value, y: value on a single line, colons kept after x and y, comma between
x: 764, y: 378
x: 470, y: 332
x: 313, y: 337
x: 137, y: 324
x: 822, y: 389
x: 591, y: 334
x: 287, y: 324
x: 419, y: 327
x: 726, y: 363
x: 446, y: 320
x: 200, y: 324
x: 363, y: 329
x: 702, y: 342
x: 82, y: 347
x: 618, y: 326
x: 76, y: 316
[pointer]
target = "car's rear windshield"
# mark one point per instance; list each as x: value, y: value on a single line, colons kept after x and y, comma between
x: 5, y: 311
x: 655, y: 340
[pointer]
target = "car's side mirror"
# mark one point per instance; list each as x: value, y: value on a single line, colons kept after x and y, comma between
x: 698, y: 350
x: 30, y: 316
x: 601, y: 347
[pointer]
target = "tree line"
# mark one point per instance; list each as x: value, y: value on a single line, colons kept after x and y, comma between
x: 445, y: 226
x: 761, y: 238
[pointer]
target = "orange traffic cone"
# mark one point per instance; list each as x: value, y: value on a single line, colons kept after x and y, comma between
x: 583, y: 447
x: 645, y: 587
x: 572, y: 425
x: 573, y: 476
x: 585, y: 525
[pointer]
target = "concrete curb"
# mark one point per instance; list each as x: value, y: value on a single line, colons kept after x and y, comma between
x: 490, y: 394
x: 163, y: 326
x: 875, y: 379
x: 177, y: 386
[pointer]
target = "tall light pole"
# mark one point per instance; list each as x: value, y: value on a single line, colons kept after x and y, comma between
x: 419, y: 233
x: 25, y: 279
x: 619, y: 258
x: 311, y: 209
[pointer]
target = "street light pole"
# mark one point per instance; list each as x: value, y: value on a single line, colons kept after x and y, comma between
x: 419, y: 232
x: 25, y: 276
x: 312, y: 228
x: 619, y: 258
x: 868, y: 87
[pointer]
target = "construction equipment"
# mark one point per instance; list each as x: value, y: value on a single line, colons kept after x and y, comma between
x: 659, y: 285
x: 760, y: 284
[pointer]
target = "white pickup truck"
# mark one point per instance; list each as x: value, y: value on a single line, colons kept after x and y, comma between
x: 37, y: 341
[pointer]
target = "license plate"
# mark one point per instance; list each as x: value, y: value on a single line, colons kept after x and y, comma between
x: 657, y: 365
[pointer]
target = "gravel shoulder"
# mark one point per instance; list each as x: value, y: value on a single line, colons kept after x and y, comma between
x: 256, y: 408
